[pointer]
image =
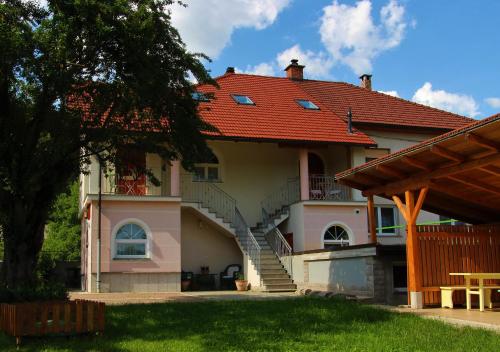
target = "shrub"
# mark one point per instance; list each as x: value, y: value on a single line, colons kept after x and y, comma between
x: 42, y: 292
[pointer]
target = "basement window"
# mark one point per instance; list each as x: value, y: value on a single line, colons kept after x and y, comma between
x: 307, y: 104
x: 242, y: 99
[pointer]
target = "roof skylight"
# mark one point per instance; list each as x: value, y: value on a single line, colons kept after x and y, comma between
x: 242, y: 99
x: 198, y: 96
x: 307, y: 104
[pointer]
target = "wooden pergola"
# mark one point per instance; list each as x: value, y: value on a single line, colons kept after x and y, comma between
x: 456, y: 174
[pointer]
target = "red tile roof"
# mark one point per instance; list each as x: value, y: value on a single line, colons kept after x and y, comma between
x: 276, y: 115
x: 371, y: 107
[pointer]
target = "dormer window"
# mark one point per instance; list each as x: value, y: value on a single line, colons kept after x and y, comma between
x: 307, y: 104
x: 198, y: 96
x: 242, y: 99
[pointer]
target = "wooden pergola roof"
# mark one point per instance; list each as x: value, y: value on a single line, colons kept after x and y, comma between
x: 461, y: 170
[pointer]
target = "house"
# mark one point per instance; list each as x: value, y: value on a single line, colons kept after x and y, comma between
x: 268, y: 190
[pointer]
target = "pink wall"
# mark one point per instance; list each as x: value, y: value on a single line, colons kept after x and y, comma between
x: 164, y: 222
x: 318, y: 217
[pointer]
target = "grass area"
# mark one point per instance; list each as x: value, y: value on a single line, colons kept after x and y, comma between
x: 301, y: 324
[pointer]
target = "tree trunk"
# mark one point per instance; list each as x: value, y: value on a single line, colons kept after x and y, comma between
x: 23, y: 234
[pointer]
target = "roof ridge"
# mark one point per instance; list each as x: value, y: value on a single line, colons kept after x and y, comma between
x: 468, y: 119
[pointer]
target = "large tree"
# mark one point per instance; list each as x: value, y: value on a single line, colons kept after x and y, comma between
x: 81, y: 78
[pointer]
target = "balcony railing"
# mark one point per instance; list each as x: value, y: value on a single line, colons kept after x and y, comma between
x: 324, y: 187
x: 138, y: 185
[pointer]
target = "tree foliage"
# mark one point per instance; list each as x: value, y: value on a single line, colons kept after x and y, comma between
x: 82, y: 78
x: 62, y: 233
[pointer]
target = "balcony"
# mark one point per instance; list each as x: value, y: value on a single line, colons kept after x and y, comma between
x: 136, y: 185
x: 324, y: 188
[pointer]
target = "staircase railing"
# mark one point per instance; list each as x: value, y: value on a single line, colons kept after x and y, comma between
x: 279, y: 244
x: 287, y: 194
x: 209, y: 196
x: 247, y: 239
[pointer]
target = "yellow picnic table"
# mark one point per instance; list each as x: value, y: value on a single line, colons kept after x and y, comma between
x: 480, y: 277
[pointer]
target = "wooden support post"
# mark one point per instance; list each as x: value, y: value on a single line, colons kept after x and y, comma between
x: 371, y: 220
x: 410, y: 211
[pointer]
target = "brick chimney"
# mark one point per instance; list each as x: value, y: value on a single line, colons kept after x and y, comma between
x: 366, y: 81
x: 295, y: 71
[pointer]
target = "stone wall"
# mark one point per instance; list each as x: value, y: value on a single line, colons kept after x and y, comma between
x: 138, y: 282
x: 355, y: 270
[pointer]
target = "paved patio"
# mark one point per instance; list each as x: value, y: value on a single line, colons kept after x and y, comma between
x: 160, y: 297
x: 489, y: 319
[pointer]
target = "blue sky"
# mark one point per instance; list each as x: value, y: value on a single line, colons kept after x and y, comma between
x: 440, y: 53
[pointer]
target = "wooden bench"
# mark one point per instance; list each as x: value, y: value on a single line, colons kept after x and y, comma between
x: 447, y: 294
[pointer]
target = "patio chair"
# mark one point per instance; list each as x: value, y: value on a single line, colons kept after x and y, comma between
x: 228, y: 276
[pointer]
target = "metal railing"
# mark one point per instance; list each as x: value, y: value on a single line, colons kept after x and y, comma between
x: 209, y: 196
x: 287, y: 194
x: 278, y: 243
x: 247, y: 239
x: 324, y: 187
x: 138, y: 185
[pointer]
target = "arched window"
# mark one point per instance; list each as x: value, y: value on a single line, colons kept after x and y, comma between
x: 131, y: 241
x: 207, y: 170
x: 335, y: 236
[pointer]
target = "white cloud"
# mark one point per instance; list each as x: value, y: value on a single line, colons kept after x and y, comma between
x: 454, y: 102
x: 317, y: 64
x: 262, y: 69
x: 207, y: 25
x: 493, y: 102
x: 351, y: 36
x: 392, y: 93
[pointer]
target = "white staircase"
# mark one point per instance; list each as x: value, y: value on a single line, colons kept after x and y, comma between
x: 219, y: 207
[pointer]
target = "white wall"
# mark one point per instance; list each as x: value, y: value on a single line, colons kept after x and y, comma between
x: 204, y: 245
x: 295, y: 224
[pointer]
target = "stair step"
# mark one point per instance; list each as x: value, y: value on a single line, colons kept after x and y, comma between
x: 266, y: 270
x: 281, y: 275
x: 266, y: 262
x: 274, y: 266
x: 277, y: 281
x: 280, y: 287
x: 267, y: 255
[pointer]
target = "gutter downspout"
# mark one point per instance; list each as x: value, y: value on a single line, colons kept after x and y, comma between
x: 99, y: 202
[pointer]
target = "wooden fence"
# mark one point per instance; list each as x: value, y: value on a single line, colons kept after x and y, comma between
x: 42, y: 318
x: 446, y: 249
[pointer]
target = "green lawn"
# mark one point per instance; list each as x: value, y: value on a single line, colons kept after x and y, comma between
x: 301, y: 324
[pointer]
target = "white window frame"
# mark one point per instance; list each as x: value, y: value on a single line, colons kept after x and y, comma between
x: 147, y: 241
x: 205, y: 167
x: 346, y: 229
x: 378, y: 214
